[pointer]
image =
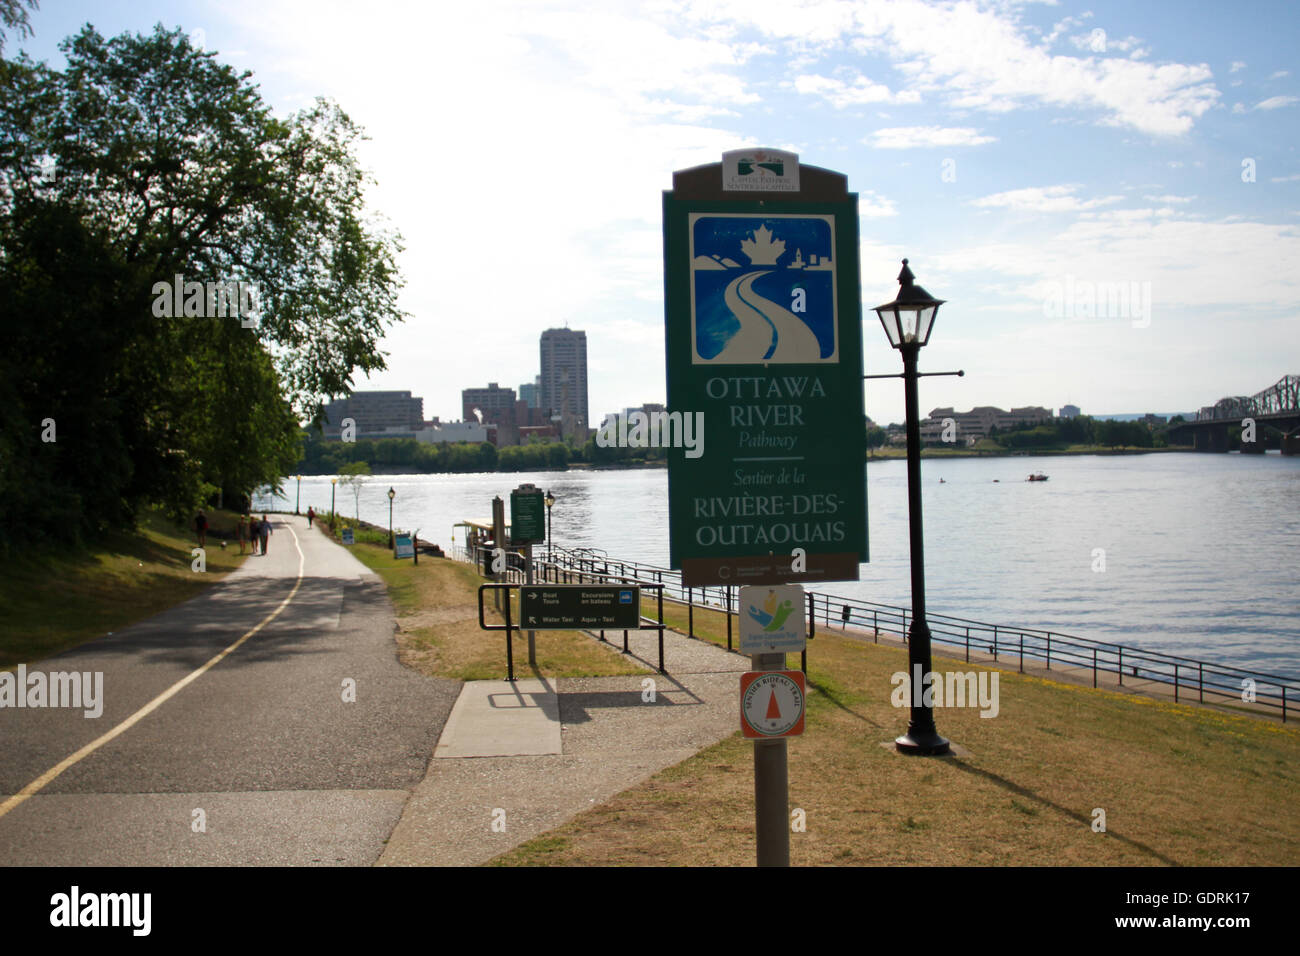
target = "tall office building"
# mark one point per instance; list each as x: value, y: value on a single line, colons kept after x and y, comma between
x: 531, y: 392
x: 375, y: 414
x: 564, y: 379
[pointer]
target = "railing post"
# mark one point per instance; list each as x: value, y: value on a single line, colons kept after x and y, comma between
x: 661, y: 630
x: 1094, y: 667
x: 875, y: 626
x: 1200, y: 680
x: 1121, y: 665
x: 1049, y: 650
x: 727, y: 596
x: 1022, y: 652
x: 1284, y: 703
x: 995, y: 643
x: 690, y: 612
x: 967, y: 643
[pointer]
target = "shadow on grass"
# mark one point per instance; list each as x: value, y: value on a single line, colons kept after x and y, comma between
x: 1028, y: 794
x: 826, y: 691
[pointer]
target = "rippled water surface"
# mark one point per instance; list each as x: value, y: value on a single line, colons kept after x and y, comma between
x: 1200, y: 550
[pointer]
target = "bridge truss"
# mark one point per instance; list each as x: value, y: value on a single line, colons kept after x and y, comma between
x: 1281, y: 399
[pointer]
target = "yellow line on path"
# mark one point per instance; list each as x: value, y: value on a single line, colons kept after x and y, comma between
x: 41, y: 782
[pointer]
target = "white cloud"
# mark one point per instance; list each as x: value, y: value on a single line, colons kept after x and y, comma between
x: 857, y: 93
x: 912, y: 137
x: 1279, y: 74
x: 980, y: 57
x: 874, y: 206
x: 1042, y: 199
x: 1237, y: 65
x: 1167, y: 199
x: 1276, y: 102
x: 1294, y: 177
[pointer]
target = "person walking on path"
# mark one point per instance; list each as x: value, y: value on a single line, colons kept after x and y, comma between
x: 243, y: 532
x: 311, y: 514
x: 264, y: 533
x: 201, y: 526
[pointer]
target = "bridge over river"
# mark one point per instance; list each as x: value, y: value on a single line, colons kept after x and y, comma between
x: 1277, y: 407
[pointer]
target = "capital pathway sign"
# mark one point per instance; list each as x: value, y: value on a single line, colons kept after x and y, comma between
x: 764, y: 336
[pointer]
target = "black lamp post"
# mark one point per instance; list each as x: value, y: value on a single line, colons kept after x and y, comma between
x: 298, y: 497
x: 333, y: 482
x: 550, y: 503
x: 391, y: 495
x: 908, y: 321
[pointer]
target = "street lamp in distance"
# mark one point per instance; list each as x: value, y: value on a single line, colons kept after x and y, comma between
x: 391, y: 495
x: 550, y: 503
x: 908, y: 321
x: 298, y: 497
x: 333, y: 482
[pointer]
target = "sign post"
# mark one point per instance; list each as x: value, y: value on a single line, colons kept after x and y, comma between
x: 498, y: 544
x: 763, y: 331
x: 528, y: 526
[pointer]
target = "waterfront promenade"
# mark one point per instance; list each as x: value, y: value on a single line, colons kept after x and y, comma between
x: 231, y: 705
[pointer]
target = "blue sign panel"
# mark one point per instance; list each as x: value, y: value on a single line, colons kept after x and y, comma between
x: 763, y: 289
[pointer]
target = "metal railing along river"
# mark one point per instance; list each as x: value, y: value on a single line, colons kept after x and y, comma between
x: 1187, y: 677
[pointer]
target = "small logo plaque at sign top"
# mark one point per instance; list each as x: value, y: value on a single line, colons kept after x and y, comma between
x: 763, y: 170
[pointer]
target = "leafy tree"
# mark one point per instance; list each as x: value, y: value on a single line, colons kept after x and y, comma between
x: 353, y: 478
x: 13, y: 16
x: 146, y: 159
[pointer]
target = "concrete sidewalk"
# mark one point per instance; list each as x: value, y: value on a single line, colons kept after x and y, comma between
x: 517, y: 760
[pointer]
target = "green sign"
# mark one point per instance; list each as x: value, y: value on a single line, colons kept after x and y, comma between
x: 764, y: 337
x: 527, y: 515
x: 549, y: 607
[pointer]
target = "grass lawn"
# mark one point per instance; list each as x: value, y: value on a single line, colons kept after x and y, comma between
x: 55, y: 600
x: 1178, y: 784
x: 438, y: 628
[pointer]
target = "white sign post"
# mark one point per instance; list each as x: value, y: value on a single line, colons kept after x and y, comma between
x: 772, y: 624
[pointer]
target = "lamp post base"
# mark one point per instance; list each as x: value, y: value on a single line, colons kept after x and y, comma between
x: 924, y: 743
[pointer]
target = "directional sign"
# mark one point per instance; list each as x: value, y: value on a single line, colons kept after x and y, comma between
x: 772, y: 619
x: 772, y: 703
x: 560, y: 606
x: 402, y: 546
x: 527, y: 515
x: 347, y: 536
x: 763, y: 332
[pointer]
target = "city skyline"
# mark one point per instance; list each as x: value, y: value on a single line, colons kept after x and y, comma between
x: 1107, y: 197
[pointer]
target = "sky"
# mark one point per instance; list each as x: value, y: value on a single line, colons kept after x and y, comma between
x: 1107, y: 194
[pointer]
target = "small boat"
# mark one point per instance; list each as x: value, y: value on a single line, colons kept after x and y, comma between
x: 1038, y: 477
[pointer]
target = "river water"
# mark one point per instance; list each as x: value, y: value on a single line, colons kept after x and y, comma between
x: 1185, y: 553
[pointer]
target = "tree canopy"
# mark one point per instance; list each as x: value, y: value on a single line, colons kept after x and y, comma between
x: 144, y: 166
